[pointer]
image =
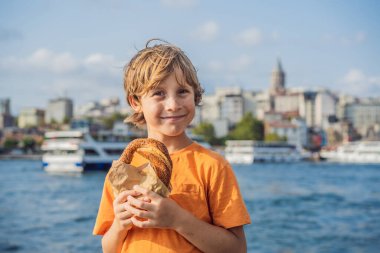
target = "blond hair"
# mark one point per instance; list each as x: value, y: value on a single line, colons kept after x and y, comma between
x: 150, y: 66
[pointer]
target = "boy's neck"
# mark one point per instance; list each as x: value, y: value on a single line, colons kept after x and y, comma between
x: 174, y: 143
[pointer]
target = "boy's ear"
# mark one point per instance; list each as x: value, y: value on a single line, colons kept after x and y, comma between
x: 134, y: 102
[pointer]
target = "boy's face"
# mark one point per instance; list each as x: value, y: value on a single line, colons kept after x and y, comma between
x: 169, y: 108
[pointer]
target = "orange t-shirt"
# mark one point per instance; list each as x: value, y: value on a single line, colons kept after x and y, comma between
x: 202, y: 183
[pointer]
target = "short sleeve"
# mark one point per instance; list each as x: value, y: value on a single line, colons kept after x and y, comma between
x: 105, y: 214
x: 226, y: 203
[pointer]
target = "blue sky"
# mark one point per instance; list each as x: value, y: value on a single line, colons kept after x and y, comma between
x: 79, y: 48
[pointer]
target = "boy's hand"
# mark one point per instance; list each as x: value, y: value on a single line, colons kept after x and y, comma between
x: 159, y: 212
x: 122, y: 215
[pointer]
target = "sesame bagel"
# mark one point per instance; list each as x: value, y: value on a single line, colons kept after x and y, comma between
x: 152, y: 150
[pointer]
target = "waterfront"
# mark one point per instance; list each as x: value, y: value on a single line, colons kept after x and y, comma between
x: 304, y: 207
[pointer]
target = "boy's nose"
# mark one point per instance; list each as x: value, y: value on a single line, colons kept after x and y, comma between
x: 172, y: 103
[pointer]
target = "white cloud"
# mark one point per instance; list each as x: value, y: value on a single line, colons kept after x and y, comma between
x: 207, y: 31
x: 354, y: 76
x: 46, y: 60
x: 249, y: 37
x: 97, y: 59
x: 358, y: 83
x: 103, y: 64
x: 42, y: 60
x: 34, y: 79
x: 64, y: 63
x: 40, y: 57
x: 49, y: 62
x: 179, y: 3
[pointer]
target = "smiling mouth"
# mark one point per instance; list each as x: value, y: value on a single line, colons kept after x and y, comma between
x: 173, y: 117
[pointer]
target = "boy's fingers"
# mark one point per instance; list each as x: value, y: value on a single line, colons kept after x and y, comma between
x: 146, y: 199
x: 141, y: 204
x: 145, y: 192
x: 139, y: 213
x: 122, y: 197
x: 140, y: 223
x: 125, y: 215
x: 119, y: 208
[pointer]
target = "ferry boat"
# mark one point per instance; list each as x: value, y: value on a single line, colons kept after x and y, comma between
x: 248, y: 152
x: 75, y: 151
x: 354, y: 152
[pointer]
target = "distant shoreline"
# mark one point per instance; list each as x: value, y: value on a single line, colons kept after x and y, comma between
x: 20, y: 157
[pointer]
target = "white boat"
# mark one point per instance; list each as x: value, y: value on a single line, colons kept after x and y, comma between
x: 75, y: 151
x: 354, y: 152
x: 248, y: 152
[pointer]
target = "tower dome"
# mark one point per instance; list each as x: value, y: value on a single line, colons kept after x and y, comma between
x: 277, y: 80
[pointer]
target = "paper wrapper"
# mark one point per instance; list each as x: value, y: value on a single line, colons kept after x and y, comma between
x: 124, y: 176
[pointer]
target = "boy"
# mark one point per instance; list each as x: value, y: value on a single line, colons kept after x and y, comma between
x: 205, y: 211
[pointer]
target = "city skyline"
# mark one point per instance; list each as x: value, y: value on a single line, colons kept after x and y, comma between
x: 50, y: 49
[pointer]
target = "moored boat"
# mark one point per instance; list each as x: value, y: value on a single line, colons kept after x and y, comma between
x: 76, y: 151
x: 354, y: 152
x: 247, y: 152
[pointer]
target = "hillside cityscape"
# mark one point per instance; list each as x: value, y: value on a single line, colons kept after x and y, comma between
x: 308, y: 119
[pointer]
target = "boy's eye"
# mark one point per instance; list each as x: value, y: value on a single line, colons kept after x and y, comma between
x: 158, y: 93
x: 183, y: 91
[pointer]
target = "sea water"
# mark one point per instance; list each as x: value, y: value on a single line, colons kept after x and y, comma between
x: 300, y: 207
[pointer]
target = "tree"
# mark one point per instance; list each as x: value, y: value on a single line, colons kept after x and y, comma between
x: 109, y: 121
x: 206, y: 130
x: 10, y: 143
x: 28, y: 144
x: 54, y: 124
x: 249, y: 128
x: 274, y: 137
x: 66, y: 120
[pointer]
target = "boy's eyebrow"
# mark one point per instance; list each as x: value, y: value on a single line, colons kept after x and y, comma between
x: 161, y: 86
x: 157, y: 87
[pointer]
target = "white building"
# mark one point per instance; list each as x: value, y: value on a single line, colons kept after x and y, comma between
x: 307, y: 107
x: 295, y: 131
x: 226, y: 107
x: 364, y: 115
x: 110, y: 105
x: 314, y: 106
x: 101, y: 108
x: 249, y: 102
x: 288, y: 103
x: 220, y: 127
x: 5, y: 106
x: 325, y: 107
x: 210, y: 110
x: 260, y: 105
x: 343, y: 100
x: 59, y: 110
x: 6, y: 119
x: 231, y: 108
x: 31, y: 117
x: 197, y: 117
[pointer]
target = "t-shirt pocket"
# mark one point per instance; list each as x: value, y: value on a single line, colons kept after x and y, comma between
x: 191, y: 198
